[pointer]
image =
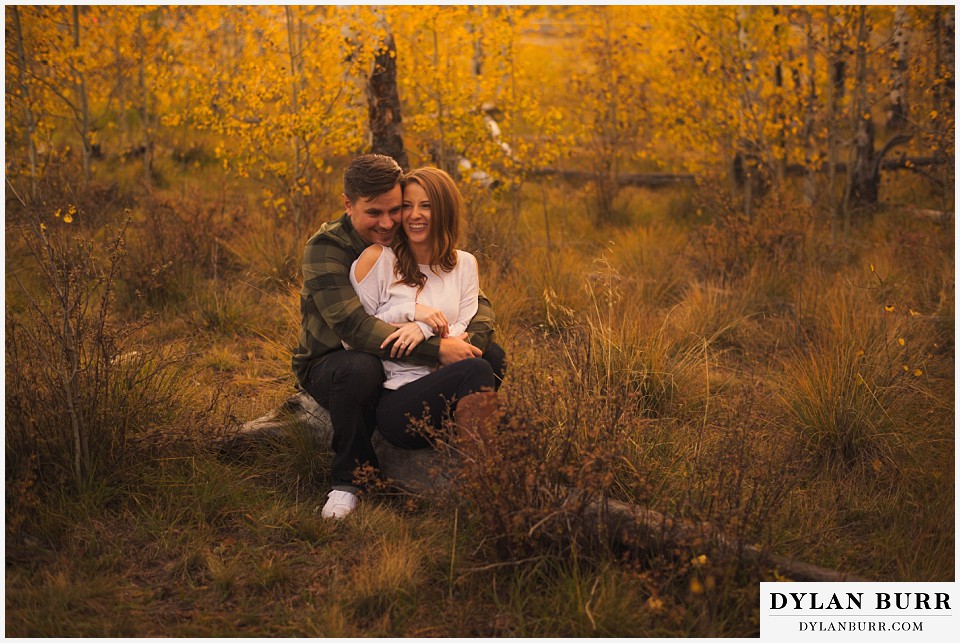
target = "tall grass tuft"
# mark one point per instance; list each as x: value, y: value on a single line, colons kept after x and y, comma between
x: 840, y: 414
x: 650, y: 259
x: 386, y: 578
x: 271, y: 251
x: 218, y: 310
x: 844, y: 393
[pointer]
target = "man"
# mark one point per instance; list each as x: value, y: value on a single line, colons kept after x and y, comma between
x: 348, y: 382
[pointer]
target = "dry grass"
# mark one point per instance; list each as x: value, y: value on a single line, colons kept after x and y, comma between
x: 752, y: 376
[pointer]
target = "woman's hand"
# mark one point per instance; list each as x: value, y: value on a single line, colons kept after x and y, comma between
x: 433, y: 318
x: 407, y: 337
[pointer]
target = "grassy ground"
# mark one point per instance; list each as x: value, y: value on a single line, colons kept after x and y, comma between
x: 794, y: 388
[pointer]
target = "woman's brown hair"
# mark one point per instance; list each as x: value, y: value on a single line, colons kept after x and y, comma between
x: 446, y: 210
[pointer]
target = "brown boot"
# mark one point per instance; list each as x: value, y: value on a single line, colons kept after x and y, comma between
x: 478, y: 419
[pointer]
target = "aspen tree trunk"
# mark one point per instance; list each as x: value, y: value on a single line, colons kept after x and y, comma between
x: 809, y: 125
x: 834, y: 89
x: 516, y: 204
x: 862, y: 180
x: 30, y: 121
x: 898, y: 110
x: 614, y: 122
x: 146, y: 124
x: 121, y: 93
x: 440, y: 152
x: 295, y: 64
x: 476, y: 63
x: 80, y: 89
x: 747, y: 164
x: 948, y: 39
x: 937, y: 27
x: 780, y: 160
x: 609, y: 143
x: 944, y: 39
x: 229, y: 53
x: 383, y: 97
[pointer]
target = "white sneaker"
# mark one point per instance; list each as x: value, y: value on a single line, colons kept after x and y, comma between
x: 339, y: 504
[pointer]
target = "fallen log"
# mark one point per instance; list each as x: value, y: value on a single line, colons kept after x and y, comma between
x: 664, y: 179
x: 895, y: 163
x: 645, y: 179
x: 627, y: 522
x: 422, y: 471
x: 933, y: 215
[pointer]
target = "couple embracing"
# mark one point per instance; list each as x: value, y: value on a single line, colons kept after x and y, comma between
x: 394, y: 326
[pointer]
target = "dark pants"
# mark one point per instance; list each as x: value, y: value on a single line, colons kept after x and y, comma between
x: 408, y: 415
x: 349, y: 384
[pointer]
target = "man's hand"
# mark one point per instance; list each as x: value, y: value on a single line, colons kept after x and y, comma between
x: 407, y: 337
x: 433, y: 318
x: 454, y: 349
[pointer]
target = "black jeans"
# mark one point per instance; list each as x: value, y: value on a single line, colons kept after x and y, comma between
x: 409, y: 414
x: 349, y: 384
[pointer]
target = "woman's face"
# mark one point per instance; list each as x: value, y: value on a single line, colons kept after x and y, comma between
x: 415, y: 215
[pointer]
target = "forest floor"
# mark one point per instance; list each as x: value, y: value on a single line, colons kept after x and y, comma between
x: 792, y: 386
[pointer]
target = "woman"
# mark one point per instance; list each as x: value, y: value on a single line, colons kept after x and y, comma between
x: 426, y: 286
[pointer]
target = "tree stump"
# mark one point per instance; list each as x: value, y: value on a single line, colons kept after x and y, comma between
x: 416, y: 471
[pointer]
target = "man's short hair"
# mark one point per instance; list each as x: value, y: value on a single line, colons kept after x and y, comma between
x: 370, y: 175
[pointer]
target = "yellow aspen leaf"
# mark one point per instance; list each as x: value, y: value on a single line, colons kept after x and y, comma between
x: 906, y: 368
x: 67, y: 218
x: 901, y: 341
x: 872, y: 269
x: 889, y: 308
x: 696, y: 587
x: 917, y: 373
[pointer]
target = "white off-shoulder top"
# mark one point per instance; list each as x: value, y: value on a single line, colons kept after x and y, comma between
x: 455, y: 293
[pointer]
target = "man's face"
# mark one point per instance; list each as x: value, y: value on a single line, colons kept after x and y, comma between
x: 376, y: 219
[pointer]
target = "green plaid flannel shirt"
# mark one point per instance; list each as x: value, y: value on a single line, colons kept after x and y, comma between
x: 331, y: 311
